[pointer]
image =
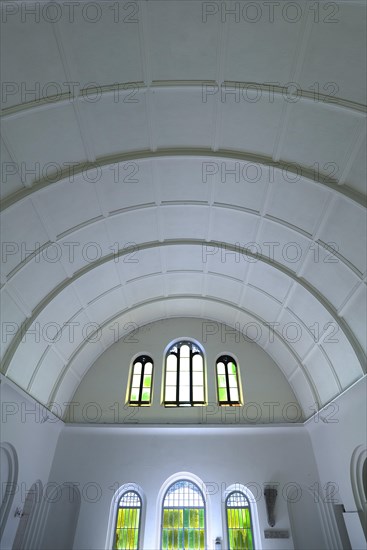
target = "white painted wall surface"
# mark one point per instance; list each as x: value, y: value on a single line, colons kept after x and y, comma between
x: 101, y: 395
x: 34, y: 442
x: 335, y: 434
x: 103, y: 458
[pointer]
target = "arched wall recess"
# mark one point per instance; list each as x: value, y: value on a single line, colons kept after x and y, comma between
x: 358, y: 477
x: 9, y: 465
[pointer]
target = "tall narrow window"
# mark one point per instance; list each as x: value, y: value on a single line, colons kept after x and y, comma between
x: 140, y: 393
x: 183, y: 517
x: 128, y: 522
x: 184, y: 378
x: 239, y: 526
x: 227, y: 381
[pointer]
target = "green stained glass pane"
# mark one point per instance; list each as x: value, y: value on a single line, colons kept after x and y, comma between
x: 222, y: 394
x: 180, y: 539
x: 186, y: 538
x: 147, y: 381
x: 165, y: 539
x: 239, y: 518
x: 134, y: 395
x: 186, y: 517
x: 221, y: 381
x: 247, y: 518
x: 191, y: 540
x: 123, y: 538
x: 194, y: 518
x: 250, y: 543
x: 232, y: 368
x: 201, y: 518
x: 146, y: 396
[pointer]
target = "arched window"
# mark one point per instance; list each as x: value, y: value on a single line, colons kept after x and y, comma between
x: 184, y: 376
x: 128, y: 522
x: 183, y: 517
x: 140, y: 392
x: 239, y: 523
x: 228, y: 381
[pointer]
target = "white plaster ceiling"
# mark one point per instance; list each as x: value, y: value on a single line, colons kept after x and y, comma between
x: 181, y: 163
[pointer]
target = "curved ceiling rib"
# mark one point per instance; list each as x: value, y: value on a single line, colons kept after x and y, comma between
x: 294, y: 171
x: 230, y: 247
x: 291, y: 92
x: 183, y: 93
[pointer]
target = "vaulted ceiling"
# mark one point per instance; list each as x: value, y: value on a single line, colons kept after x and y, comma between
x: 166, y: 159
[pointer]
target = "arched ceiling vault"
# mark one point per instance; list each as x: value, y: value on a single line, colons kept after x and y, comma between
x: 195, y: 170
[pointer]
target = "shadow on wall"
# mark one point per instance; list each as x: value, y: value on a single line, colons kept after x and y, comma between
x: 62, y: 513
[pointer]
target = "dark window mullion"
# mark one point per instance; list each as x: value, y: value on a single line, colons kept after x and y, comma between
x: 178, y: 376
x: 227, y: 381
x: 191, y: 381
x: 141, y: 380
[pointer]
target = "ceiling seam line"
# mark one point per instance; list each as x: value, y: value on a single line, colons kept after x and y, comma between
x: 356, y: 346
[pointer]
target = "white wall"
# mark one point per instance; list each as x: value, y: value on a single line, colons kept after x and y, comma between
x: 104, y: 458
x: 34, y: 441
x: 336, y: 432
x: 101, y: 395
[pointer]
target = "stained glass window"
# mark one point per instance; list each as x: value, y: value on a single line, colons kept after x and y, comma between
x: 184, y: 376
x: 128, y: 522
x: 227, y: 381
x: 240, y: 535
x: 141, y: 381
x: 183, y: 517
